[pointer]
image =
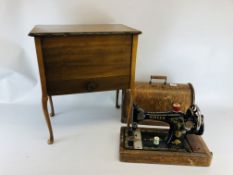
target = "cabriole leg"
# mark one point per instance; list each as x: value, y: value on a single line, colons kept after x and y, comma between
x: 47, y: 119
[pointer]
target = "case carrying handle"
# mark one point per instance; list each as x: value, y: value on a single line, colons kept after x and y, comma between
x: 158, y: 77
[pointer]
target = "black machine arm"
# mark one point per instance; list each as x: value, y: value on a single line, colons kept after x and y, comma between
x: 181, y: 124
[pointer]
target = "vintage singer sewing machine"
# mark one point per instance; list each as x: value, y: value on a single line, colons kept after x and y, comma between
x: 180, y: 143
x: 180, y: 125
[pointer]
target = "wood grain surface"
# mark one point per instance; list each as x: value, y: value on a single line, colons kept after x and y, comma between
x: 87, y: 85
x: 157, y: 97
x: 87, y: 56
x: 81, y: 29
x: 71, y: 62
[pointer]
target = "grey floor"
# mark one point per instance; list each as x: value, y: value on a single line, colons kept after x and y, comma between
x: 86, y: 130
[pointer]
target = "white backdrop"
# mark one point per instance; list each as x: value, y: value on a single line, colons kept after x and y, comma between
x: 187, y: 40
x: 190, y: 41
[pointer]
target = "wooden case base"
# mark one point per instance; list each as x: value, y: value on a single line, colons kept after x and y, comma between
x: 200, y: 155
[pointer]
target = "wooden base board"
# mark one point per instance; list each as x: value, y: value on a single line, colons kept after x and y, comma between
x: 200, y: 155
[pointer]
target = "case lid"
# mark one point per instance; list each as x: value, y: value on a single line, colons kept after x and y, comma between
x: 81, y: 29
